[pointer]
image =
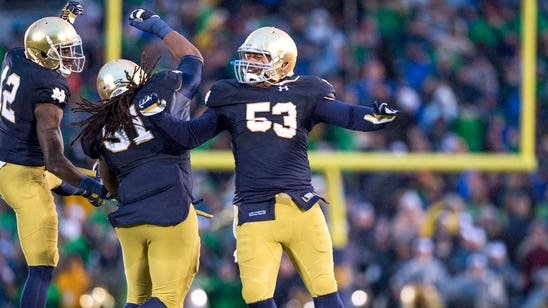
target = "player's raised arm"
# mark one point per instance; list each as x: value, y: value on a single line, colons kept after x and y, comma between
x: 191, y: 61
x: 148, y: 21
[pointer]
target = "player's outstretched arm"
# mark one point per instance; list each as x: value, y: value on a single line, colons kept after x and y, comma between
x: 382, y: 113
x: 187, y: 134
x: 353, y: 117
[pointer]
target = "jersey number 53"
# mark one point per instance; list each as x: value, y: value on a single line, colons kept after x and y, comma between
x: 261, y: 124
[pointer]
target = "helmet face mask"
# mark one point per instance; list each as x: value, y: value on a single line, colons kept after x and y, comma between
x: 71, y: 56
x: 112, y: 79
x: 53, y: 43
x: 252, y: 72
x: 267, y: 56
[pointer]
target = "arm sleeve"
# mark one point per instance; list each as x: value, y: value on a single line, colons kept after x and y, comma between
x: 191, y: 68
x: 65, y: 189
x: 345, y: 115
x: 188, y: 134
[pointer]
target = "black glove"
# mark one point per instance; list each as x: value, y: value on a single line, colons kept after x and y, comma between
x: 151, y: 105
x: 381, y: 114
x: 71, y: 10
x: 147, y: 21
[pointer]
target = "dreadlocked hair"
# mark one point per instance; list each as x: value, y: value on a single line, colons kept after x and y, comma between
x: 112, y: 114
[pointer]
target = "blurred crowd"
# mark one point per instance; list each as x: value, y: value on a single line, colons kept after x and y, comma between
x: 466, y: 239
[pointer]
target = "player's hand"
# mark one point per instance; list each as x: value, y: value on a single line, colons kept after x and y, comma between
x: 94, y: 190
x: 94, y: 199
x: 151, y: 105
x: 382, y: 113
x: 148, y: 21
x: 71, y: 10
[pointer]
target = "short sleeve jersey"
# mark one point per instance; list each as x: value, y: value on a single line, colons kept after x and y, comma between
x: 25, y: 84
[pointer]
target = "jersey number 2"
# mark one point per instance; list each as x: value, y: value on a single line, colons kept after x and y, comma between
x: 261, y: 124
x: 7, y: 97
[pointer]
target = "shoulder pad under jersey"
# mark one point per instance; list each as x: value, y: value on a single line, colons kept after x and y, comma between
x: 221, y: 93
x: 323, y: 87
x: 167, y: 79
x: 47, y: 85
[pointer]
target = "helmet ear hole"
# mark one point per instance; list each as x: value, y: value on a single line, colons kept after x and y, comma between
x: 43, y: 54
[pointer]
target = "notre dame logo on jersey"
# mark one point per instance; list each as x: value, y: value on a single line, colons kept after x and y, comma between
x: 59, y: 95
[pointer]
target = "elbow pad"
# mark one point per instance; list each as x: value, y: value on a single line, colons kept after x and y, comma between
x: 192, y: 68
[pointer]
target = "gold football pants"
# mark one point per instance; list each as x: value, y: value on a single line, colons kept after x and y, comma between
x: 160, y: 261
x: 305, y: 238
x: 26, y: 191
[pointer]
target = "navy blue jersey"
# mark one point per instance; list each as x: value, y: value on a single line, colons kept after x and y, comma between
x: 23, y: 85
x: 155, y: 185
x: 269, y: 129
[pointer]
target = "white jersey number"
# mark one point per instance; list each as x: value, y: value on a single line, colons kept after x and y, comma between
x: 122, y: 141
x: 8, y: 97
x: 261, y: 124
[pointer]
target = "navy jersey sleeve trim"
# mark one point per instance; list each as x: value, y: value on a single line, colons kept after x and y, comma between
x: 345, y: 115
x: 60, y: 105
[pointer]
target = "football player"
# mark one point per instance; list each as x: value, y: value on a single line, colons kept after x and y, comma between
x: 269, y: 112
x: 155, y: 221
x: 34, y: 92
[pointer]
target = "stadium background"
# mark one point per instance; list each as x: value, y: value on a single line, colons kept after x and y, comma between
x: 447, y: 206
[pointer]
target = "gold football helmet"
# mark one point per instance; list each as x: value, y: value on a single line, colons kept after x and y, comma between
x: 279, y: 52
x: 53, y: 43
x: 113, y: 80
